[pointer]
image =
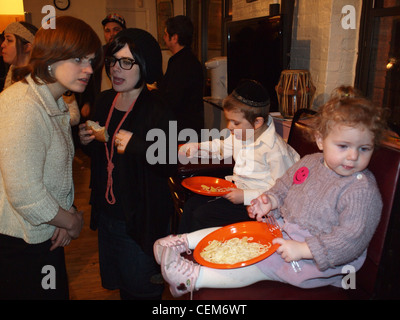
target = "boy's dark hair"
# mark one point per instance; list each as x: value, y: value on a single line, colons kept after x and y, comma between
x: 183, y: 27
x: 249, y: 98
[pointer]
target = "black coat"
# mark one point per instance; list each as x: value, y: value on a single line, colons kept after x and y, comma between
x: 182, y: 87
x: 141, y: 189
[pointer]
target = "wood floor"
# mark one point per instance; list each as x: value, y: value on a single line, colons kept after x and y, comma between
x: 82, y: 254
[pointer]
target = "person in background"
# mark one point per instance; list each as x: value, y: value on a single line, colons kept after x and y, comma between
x: 261, y: 157
x: 17, y: 46
x: 37, y: 215
x: 130, y: 198
x: 3, y: 66
x: 112, y: 24
x: 183, y: 82
x: 327, y: 204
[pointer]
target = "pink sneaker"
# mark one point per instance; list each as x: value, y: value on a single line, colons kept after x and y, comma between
x: 180, y: 273
x: 178, y: 242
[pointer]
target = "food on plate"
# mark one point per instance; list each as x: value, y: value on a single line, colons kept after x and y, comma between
x: 213, y: 189
x: 233, y: 250
x: 100, y: 133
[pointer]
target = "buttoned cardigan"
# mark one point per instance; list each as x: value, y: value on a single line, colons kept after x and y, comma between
x: 36, y: 154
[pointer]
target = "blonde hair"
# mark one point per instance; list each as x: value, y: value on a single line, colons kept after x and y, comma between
x: 353, y: 111
x: 346, y: 92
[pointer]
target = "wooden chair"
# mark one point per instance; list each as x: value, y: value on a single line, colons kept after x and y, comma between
x: 378, y: 278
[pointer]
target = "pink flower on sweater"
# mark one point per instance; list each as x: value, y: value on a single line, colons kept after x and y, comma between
x: 301, y: 175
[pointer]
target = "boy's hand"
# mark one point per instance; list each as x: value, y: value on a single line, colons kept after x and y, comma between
x: 189, y: 150
x: 236, y: 196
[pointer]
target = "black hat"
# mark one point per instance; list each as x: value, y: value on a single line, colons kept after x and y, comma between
x: 251, y: 93
x: 114, y: 17
x: 148, y: 50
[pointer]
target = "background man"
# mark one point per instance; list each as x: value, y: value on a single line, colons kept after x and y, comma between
x: 183, y: 82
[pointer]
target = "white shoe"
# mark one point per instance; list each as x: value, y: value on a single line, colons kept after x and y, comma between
x: 178, y: 242
x: 180, y: 273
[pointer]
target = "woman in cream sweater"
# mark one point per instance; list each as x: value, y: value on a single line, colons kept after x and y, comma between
x: 37, y: 216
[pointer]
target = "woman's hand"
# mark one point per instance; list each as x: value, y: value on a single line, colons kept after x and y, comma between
x: 85, y: 136
x: 121, y: 140
x: 291, y: 250
x: 60, y: 238
x: 259, y: 207
x: 77, y: 225
x: 236, y: 196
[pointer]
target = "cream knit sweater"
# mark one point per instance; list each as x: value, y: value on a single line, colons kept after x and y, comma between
x: 36, y: 153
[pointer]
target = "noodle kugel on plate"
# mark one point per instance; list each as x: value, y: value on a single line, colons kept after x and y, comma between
x: 237, y: 245
x: 208, y: 186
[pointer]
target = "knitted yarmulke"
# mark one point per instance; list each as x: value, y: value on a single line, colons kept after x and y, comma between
x: 251, y: 93
x: 147, y: 47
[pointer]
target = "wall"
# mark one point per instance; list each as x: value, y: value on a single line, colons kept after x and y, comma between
x: 319, y: 43
x: 242, y: 10
x: 91, y: 11
x: 137, y: 13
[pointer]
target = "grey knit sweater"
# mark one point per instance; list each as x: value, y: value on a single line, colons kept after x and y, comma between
x: 36, y: 153
x: 341, y: 213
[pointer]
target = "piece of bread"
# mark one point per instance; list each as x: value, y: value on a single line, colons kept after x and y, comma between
x: 100, y: 133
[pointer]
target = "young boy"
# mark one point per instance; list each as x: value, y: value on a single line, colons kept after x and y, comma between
x: 261, y: 157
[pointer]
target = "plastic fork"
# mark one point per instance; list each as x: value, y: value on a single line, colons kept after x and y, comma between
x: 274, y: 225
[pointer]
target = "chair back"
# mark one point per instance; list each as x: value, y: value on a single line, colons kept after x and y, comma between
x: 385, y: 165
x: 299, y: 137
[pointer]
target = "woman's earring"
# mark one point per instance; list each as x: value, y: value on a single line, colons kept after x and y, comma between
x: 50, y: 70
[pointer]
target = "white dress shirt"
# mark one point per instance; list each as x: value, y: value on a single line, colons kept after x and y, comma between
x: 258, y: 164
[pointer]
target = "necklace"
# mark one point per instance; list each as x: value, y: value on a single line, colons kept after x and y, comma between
x: 109, y: 154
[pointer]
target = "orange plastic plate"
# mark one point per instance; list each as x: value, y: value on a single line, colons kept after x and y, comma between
x: 259, y: 231
x: 220, y: 185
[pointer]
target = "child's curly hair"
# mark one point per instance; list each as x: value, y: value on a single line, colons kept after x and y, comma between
x: 350, y: 111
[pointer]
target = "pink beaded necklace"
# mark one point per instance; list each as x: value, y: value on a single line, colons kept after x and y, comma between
x: 110, y: 154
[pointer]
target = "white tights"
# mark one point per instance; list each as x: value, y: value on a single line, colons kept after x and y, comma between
x: 223, y: 278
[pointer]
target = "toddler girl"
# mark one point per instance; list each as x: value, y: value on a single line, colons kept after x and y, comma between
x: 328, y: 205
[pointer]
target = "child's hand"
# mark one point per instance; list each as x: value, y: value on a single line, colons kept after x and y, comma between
x: 291, y: 250
x: 189, y: 150
x: 236, y: 196
x: 259, y: 207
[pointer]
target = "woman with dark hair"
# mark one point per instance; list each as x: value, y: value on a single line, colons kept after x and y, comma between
x: 37, y: 216
x: 17, y: 46
x: 130, y: 198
